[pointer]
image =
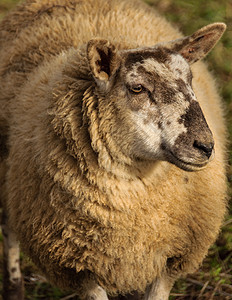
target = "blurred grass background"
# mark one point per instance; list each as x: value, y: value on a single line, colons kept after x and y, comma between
x: 214, y: 278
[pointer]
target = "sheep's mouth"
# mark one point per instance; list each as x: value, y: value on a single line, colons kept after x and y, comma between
x: 187, y: 165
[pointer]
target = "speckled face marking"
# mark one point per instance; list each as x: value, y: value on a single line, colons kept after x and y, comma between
x: 161, y: 99
x: 157, y: 115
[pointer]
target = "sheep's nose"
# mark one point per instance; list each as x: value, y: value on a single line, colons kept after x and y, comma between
x: 206, y: 148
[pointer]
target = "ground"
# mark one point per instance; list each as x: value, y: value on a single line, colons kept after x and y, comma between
x: 214, y: 279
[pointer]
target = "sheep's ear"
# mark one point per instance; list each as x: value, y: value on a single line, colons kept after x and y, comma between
x: 103, y: 59
x: 196, y: 46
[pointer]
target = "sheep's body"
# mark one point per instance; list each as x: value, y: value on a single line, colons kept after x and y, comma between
x: 80, y: 205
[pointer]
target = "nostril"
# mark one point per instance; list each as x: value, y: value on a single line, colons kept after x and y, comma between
x: 206, y: 148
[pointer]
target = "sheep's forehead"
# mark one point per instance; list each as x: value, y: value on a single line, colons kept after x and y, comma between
x: 161, y: 63
x: 166, y: 74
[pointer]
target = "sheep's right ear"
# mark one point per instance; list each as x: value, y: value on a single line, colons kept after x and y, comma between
x: 103, y: 59
x: 196, y: 46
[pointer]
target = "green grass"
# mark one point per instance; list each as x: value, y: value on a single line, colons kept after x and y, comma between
x: 213, y: 280
x: 6, y: 5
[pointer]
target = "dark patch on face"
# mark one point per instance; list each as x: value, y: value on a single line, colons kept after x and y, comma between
x: 192, y: 117
x: 168, y: 123
x: 167, y: 94
x: 139, y: 56
x: 196, y: 125
x: 159, y: 125
x: 151, y: 97
x: 181, y: 85
x: 184, y: 140
x: 162, y: 55
x: 188, y: 97
x: 150, y: 76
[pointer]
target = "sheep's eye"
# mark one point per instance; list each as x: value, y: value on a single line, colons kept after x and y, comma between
x: 136, y: 89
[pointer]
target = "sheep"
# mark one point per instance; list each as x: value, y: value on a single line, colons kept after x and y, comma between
x: 114, y: 143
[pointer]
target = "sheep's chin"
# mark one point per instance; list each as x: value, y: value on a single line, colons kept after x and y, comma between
x: 187, y: 166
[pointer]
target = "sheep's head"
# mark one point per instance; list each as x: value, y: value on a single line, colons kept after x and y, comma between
x: 152, y: 90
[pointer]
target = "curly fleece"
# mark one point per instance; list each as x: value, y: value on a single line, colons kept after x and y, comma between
x: 82, y: 208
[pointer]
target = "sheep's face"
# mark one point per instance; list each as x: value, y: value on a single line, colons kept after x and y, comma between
x: 152, y: 89
x: 167, y: 120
